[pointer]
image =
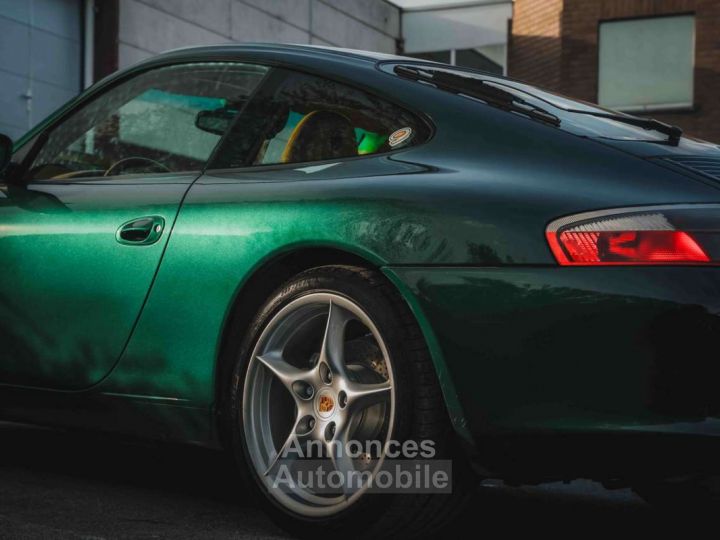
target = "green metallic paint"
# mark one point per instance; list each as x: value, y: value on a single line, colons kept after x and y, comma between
x: 576, y: 349
x: 142, y: 231
x: 456, y: 224
x: 74, y: 294
x: 452, y: 399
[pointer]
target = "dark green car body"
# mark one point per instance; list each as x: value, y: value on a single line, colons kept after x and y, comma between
x: 139, y: 339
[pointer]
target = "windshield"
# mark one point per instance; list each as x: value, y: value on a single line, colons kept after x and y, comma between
x: 575, y: 115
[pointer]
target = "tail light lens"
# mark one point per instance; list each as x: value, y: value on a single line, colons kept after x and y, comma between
x: 660, y: 235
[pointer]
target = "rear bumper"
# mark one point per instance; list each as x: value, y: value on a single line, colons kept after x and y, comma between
x: 574, y: 350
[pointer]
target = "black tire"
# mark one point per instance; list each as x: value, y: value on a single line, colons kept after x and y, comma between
x: 420, y: 413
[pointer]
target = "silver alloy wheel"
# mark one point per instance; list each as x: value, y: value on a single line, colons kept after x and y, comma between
x: 320, y: 376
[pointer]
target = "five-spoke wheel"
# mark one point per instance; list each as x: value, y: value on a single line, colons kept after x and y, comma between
x: 320, y: 378
x: 334, y: 377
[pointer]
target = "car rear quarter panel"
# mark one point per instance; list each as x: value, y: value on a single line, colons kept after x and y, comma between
x: 477, y: 195
x: 577, y: 349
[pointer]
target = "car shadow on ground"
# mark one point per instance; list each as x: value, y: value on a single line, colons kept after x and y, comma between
x: 69, y: 485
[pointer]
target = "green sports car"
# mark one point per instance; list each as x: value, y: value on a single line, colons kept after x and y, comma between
x: 254, y: 247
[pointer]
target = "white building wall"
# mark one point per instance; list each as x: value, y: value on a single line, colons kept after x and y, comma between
x: 148, y: 27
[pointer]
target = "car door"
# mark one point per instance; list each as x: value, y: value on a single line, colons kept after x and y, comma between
x: 86, y: 212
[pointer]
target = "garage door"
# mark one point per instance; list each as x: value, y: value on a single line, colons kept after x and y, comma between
x: 40, y: 60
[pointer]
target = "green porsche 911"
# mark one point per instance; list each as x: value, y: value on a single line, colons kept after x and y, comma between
x: 256, y: 247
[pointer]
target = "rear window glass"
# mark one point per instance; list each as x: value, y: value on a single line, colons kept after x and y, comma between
x: 575, y: 115
x: 307, y: 118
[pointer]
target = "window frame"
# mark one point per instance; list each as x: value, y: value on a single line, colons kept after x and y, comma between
x: 45, y: 128
x: 677, y: 107
x: 220, y: 148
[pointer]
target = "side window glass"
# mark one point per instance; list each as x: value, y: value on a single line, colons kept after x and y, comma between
x: 162, y: 121
x: 308, y: 118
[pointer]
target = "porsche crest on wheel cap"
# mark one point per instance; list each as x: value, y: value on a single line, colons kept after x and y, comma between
x: 326, y: 404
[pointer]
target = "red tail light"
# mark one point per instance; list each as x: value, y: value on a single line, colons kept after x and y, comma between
x: 638, y: 236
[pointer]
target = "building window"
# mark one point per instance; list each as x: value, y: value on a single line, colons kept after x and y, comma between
x: 647, y: 64
x: 490, y: 59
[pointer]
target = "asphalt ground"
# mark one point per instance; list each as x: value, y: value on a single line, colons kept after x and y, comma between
x: 62, y: 485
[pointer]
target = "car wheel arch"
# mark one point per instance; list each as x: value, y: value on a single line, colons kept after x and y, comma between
x: 254, y: 290
x: 269, y: 275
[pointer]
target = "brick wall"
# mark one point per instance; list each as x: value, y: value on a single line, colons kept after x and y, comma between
x: 534, y: 42
x: 554, y: 44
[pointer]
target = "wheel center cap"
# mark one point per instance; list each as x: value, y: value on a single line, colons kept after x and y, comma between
x: 325, y: 404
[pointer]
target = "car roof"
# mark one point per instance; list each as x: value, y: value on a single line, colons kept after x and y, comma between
x: 309, y: 50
